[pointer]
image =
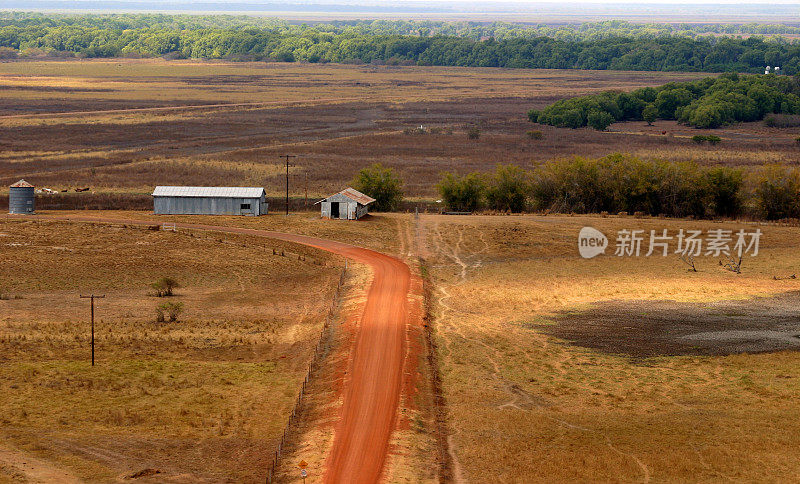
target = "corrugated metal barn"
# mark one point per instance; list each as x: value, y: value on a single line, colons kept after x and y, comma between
x: 209, y: 201
x: 349, y: 204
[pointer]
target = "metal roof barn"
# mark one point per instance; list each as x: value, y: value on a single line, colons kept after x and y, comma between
x: 170, y: 200
x: 349, y: 204
x: 21, y: 198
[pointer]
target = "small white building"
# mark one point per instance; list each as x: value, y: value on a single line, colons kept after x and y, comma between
x: 349, y: 204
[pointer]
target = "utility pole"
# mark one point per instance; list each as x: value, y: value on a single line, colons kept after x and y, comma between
x: 306, y: 172
x: 92, y: 298
x: 287, y: 180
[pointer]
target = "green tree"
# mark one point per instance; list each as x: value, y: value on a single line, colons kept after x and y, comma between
x: 599, y: 120
x: 382, y: 184
x: 649, y: 114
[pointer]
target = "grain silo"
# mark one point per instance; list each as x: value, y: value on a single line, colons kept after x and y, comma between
x: 21, y: 198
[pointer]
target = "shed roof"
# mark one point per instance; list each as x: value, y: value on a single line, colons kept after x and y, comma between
x: 217, y: 192
x: 352, y: 194
x: 22, y: 184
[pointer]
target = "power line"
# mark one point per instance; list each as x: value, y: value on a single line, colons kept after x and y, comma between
x: 92, y: 298
x: 287, y: 179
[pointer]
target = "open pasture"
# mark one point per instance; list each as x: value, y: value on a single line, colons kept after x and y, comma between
x: 203, y: 399
x: 126, y: 125
x: 556, y: 368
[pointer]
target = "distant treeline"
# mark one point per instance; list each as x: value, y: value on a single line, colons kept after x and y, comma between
x: 623, y: 183
x: 706, y: 103
x: 605, y: 45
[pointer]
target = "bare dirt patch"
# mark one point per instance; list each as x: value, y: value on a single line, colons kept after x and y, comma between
x: 664, y: 328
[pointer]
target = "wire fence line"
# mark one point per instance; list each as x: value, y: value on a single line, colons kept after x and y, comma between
x: 316, y: 360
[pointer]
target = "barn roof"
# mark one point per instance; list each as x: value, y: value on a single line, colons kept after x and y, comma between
x: 22, y: 184
x: 352, y: 194
x: 217, y: 192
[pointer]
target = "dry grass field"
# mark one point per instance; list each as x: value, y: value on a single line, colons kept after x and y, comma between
x: 126, y: 125
x: 560, y: 369
x: 200, y: 400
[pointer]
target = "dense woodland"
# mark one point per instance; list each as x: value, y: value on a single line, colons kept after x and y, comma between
x: 706, y: 103
x: 604, y: 45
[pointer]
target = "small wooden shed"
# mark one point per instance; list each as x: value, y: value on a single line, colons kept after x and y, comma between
x: 349, y: 204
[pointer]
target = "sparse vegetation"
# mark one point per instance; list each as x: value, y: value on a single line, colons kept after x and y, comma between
x: 221, y: 369
x: 168, y: 311
x: 473, y: 132
x: 535, y: 135
x: 561, y: 401
x: 165, y: 287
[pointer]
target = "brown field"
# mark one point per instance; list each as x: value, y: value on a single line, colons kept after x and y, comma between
x: 557, y: 368
x: 554, y: 368
x: 203, y: 399
x: 127, y: 125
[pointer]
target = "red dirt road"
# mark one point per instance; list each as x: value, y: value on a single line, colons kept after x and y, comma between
x: 372, y: 390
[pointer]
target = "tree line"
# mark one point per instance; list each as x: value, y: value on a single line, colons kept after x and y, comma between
x: 401, y: 42
x: 706, y: 103
x: 612, y: 184
x: 624, y: 183
x: 476, y: 30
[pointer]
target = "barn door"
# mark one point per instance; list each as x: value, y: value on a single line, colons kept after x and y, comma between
x: 334, y: 209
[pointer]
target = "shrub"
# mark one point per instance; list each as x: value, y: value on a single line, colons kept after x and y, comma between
x: 169, y: 311
x: 782, y: 121
x: 462, y: 193
x: 415, y: 131
x: 474, y: 132
x: 725, y: 190
x: 712, y: 139
x: 621, y: 183
x: 8, y: 53
x: 382, y: 184
x: 537, y: 135
x: 508, y: 188
x: 777, y: 192
x: 165, y: 286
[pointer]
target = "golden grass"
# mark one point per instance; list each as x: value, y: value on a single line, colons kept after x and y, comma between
x: 526, y: 407
x: 219, y: 382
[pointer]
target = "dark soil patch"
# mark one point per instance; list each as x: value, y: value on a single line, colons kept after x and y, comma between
x: 663, y: 328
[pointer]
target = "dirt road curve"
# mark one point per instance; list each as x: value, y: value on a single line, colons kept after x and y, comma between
x: 372, y: 390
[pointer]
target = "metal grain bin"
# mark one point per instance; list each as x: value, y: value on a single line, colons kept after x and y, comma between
x: 21, y: 198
